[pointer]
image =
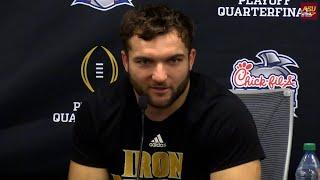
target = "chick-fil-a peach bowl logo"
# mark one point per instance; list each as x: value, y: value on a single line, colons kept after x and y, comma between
x: 271, y: 72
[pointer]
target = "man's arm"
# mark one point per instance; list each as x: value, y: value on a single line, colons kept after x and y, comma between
x: 81, y: 172
x: 247, y: 171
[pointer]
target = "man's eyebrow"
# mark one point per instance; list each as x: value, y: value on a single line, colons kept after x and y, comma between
x: 176, y: 56
x: 141, y: 58
x: 151, y: 58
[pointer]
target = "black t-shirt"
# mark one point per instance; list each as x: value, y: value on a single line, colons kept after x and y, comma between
x: 211, y: 131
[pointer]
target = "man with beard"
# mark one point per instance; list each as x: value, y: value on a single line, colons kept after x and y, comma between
x: 194, y: 129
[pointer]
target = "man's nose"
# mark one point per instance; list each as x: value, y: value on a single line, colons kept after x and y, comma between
x: 159, y: 73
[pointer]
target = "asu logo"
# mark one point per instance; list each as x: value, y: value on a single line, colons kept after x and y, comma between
x: 309, y: 10
x: 102, y: 5
x: 270, y: 73
x: 99, y: 67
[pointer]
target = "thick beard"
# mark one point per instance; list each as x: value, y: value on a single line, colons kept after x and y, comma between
x: 176, y: 93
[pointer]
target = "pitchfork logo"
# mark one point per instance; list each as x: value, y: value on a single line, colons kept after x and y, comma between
x: 103, y: 5
x: 271, y: 72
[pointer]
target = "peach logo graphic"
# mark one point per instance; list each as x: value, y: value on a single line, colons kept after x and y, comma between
x: 272, y: 71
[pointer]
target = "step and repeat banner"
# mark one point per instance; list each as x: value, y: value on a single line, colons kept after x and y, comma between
x: 54, y: 53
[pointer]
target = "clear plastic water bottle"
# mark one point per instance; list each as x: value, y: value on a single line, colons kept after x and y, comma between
x: 308, y: 168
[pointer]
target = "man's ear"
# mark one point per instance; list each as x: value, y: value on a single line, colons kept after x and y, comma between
x: 192, y: 57
x: 125, y: 60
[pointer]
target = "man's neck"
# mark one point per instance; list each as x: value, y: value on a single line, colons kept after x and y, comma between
x: 160, y: 114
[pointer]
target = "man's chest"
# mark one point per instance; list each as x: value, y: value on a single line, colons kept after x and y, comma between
x: 164, y: 149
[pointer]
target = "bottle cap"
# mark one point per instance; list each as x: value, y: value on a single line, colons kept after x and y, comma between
x: 309, y: 146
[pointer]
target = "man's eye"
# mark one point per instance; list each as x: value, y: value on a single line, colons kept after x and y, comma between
x: 174, y: 60
x: 143, y: 61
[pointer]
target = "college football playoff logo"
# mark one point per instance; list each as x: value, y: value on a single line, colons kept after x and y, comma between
x: 99, y: 67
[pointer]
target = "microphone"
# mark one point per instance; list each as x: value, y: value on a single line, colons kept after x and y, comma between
x: 143, y: 103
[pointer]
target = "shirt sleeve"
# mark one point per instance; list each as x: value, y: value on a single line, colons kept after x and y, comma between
x: 86, y: 149
x: 233, y: 138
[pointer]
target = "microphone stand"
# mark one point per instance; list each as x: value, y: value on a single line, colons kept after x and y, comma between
x: 143, y: 102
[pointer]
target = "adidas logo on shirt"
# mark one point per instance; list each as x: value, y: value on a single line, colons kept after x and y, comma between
x: 157, y: 142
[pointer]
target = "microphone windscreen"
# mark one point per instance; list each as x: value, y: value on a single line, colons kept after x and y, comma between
x: 143, y: 102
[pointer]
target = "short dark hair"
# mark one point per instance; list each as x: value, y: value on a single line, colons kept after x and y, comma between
x: 154, y: 20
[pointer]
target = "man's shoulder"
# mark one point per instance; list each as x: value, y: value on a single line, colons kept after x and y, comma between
x: 205, y: 87
x: 108, y: 102
x: 208, y: 97
x: 110, y: 94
